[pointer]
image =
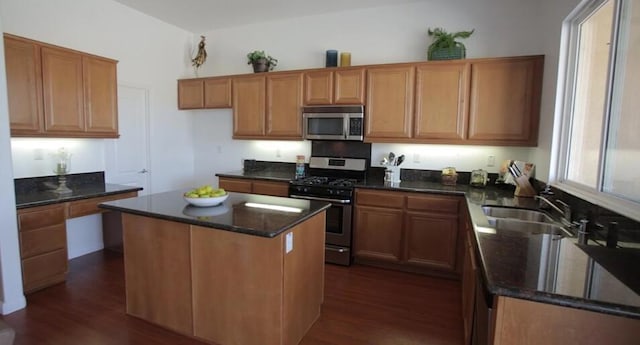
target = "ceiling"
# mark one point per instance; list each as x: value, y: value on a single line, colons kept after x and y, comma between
x: 199, y: 16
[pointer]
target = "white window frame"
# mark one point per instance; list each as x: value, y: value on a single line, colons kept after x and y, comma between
x: 563, y: 114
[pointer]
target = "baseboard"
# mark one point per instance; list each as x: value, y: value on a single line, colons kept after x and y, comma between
x: 8, y: 307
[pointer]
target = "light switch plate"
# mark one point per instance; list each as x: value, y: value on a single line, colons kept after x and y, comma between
x: 288, y: 243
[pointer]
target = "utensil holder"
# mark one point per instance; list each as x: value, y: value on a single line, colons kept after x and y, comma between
x: 392, y: 174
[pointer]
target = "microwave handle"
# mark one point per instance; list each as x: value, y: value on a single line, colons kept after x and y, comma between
x: 345, y: 126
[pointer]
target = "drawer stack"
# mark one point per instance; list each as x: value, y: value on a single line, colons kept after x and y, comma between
x: 43, y: 246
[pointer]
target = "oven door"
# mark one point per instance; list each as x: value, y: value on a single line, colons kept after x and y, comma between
x: 337, y: 231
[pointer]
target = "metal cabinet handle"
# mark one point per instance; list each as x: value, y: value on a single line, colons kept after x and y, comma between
x: 143, y: 171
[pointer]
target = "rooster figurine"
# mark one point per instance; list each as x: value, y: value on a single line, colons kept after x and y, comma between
x: 201, y: 56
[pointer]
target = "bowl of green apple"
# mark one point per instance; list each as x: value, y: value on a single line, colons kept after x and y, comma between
x: 206, y: 196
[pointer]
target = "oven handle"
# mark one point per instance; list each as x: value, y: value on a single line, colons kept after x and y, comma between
x: 336, y: 249
x: 336, y: 201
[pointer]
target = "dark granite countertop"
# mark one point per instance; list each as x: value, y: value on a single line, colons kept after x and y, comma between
x: 41, y: 198
x: 278, y: 176
x: 234, y: 214
x: 538, y: 267
x: 38, y: 191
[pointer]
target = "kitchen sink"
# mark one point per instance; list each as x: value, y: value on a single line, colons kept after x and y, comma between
x: 529, y: 227
x: 516, y: 213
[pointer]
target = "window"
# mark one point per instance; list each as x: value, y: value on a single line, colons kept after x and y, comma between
x: 600, y: 137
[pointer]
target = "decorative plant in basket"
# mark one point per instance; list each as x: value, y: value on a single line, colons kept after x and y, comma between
x: 445, y: 46
x: 261, y: 62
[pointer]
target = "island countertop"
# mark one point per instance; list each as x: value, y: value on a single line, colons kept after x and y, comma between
x: 243, y: 213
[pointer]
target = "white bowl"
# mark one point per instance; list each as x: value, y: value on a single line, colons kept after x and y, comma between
x: 207, y: 202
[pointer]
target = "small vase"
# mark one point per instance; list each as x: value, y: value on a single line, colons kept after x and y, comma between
x: 260, y: 65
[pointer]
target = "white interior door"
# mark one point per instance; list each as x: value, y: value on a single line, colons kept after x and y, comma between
x: 127, y: 158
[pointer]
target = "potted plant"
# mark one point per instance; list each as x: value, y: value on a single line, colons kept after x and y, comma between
x: 445, y: 46
x: 261, y: 62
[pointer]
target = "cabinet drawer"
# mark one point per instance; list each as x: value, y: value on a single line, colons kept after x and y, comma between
x: 271, y: 188
x: 440, y: 204
x: 39, y: 217
x: 90, y: 206
x: 380, y: 198
x: 42, y: 240
x: 235, y: 185
x: 44, y: 270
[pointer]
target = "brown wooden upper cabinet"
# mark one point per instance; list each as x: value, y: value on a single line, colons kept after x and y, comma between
x: 267, y: 106
x: 479, y: 101
x: 505, y: 101
x: 24, y: 86
x: 59, y: 92
x: 389, y: 106
x: 204, y: 93
x: 494, y: 101
x: 337, y: 86
x: 441, y: 112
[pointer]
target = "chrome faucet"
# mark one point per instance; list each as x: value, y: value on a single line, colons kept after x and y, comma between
x: 565, y: 211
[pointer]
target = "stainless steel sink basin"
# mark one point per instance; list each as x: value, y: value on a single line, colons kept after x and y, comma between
x: 516, y: 213
x: 529, y: 227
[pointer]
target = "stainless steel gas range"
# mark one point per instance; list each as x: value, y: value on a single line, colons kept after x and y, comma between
x: 332, y: 179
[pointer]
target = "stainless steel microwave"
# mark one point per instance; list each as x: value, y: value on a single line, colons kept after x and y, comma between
x: 333, y: 122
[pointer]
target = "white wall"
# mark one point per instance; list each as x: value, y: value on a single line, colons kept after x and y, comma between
x: 373, y: 36
x: 11, y: 295
x: 553, y: 13
x: 150, y: 53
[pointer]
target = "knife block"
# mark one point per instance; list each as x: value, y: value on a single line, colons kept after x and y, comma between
x: 524, y: 188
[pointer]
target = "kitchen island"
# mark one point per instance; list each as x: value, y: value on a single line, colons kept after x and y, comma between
x: 248, y: 271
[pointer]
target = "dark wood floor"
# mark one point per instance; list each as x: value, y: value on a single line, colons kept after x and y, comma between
x: 363, y: 305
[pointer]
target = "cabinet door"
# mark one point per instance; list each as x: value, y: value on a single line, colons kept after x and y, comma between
x: 24, y: 86
x: 349, y: 86
x: 270, y: 188
x: 505, y: 101
x: 248, y: 106
x: 378, y: 234
x: 284, y: 100
x: 468, y: 288
x: 235, y: 185
x: 389, y: 104
x: 217, y: 93
x: 190, y: 94
x: 101, y: 96
x: 441, y: 101
x: 318, y: 88
x: 431, y: 240
x: 63, y: 91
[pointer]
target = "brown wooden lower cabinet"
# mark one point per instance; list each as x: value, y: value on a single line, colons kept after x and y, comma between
x: 43, y: 239
x: 242, y: 185
x: 526, y: 322
x: 469, y: 280
x: 43, y: 246
x: 413, y: 231
x: 378, y: 233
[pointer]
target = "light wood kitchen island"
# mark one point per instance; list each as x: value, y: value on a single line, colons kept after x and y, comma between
x: 230, y: 274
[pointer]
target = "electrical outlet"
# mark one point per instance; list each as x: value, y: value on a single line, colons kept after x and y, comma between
x: 416, y: 158
x: 38, y: 154
x: 491, y: 161
x: 219, y: 148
